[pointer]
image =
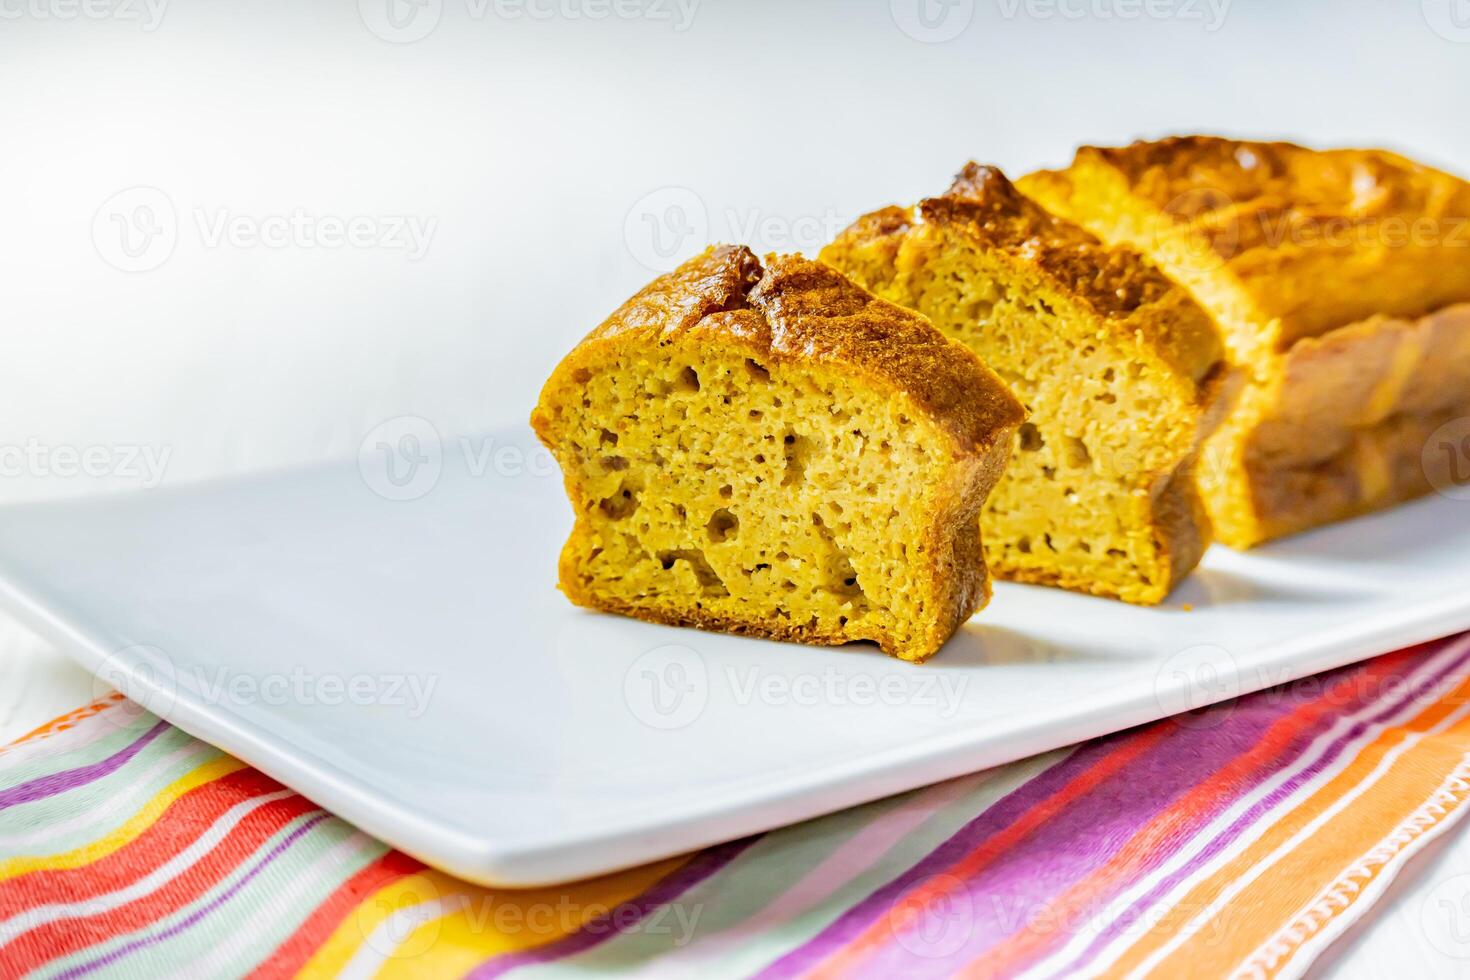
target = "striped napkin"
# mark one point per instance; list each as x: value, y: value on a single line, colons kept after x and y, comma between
x: 1240, y: 839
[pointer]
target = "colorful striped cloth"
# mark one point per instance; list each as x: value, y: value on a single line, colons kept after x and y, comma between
x: 1241, y: 839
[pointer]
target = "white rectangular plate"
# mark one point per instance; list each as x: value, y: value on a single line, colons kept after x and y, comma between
x: 409, y: 664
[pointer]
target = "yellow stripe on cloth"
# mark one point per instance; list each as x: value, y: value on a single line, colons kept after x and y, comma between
x: 130, y: 830
x: 462, y: 926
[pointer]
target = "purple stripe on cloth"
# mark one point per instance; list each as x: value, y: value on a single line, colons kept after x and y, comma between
x: 1019, y: 885
x: 1020, y: 890
x: 1065, y: 849
x: 625, y: 916
x: 198, y: 914
x: 991, y: 820
x: 1274, y: 798
x: 59, y: 782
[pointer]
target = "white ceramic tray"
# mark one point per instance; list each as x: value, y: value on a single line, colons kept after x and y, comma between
x: 395, y: 649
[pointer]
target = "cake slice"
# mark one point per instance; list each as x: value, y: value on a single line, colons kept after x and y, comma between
x: 1118, y: 368
x: 1339, y: 279
x: 775, y: 452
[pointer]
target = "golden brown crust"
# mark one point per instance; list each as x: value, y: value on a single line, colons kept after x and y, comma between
x: 810, y: 312
x: 765, y: 629
x: 716, y: 281
x: 1184, y: 531
x: 1116, y: 283
x: 816, y: 313
x: 1282, y: 180
x: 1314, y: 239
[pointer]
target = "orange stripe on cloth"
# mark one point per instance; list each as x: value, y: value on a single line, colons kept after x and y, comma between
x: 1154, y: 837
x: 1288, y: 881
x: 65, y: 722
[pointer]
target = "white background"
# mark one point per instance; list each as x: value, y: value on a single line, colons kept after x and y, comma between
x: 528, y: 142
x: 537, y: 149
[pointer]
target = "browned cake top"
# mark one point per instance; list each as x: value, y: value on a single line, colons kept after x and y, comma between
x: 796, y: 310
x: 1280, y: 185
x: 1115, y: 281
x: 1281, y: 242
